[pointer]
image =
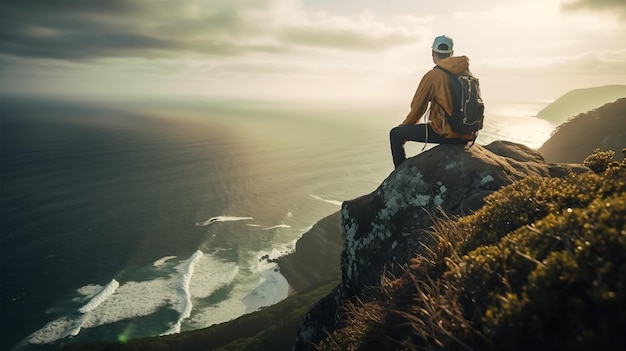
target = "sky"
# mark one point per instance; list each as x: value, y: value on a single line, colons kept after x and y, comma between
x: 349, y: 50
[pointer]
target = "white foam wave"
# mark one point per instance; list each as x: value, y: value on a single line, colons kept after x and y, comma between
x: 201, y: 277
x: 57, y: 329
x: 332, y: 202
x: 131, y: 300
x: 88, y: 291
x: 222, y: 219
x: 71, y: 325
x: 264, y: 287
x: 211, y: 275
x: 184, y: 304
x: 100, y: 297
x: 272, y: 288
x: 278, y: 251
x: 278, y: 226
x: 161, y: 261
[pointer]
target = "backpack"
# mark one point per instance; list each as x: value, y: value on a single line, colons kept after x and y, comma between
x: 468, y: 107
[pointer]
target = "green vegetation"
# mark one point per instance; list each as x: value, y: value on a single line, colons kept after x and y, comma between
x: 599, y: 160
x: 541, y: 266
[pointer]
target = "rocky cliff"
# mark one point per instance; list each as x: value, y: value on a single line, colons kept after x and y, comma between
x: 317, y: 255
x: 604, y: 128
x: 379, y: 228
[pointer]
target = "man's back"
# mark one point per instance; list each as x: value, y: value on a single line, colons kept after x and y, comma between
x: 434, y: 88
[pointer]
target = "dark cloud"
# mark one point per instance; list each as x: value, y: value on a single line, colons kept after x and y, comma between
x: 91, y: 29
x: 617, y: 7
x: 79, y: 29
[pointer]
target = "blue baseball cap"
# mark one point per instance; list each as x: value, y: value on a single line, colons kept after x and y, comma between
x: 443, y: 44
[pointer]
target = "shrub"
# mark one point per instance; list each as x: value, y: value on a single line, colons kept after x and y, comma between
x: 599, y: 161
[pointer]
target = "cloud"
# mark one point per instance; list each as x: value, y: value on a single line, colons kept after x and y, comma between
x: 615, y: 6
x: 596, y: 62
x: 81, y: 30
x: 609, y: 62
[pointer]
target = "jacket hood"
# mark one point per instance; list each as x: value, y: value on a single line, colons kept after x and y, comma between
x: 455, y: 64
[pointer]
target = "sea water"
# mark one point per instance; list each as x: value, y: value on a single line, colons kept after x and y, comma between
x: 125, y: 218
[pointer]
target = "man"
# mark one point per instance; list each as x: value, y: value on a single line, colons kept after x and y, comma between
x: 434, y: 88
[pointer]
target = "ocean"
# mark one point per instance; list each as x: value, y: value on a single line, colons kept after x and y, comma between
x: 129, y: 217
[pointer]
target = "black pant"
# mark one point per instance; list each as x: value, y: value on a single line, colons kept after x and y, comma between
x: 416, y: 132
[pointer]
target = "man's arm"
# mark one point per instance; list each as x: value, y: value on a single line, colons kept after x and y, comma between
x: 419, y: 104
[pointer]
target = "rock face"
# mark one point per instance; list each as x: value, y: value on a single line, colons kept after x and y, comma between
x: 317, y: 254
x: 379, y: 228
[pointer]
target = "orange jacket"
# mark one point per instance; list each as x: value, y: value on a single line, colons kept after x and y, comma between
x: 435, y: 88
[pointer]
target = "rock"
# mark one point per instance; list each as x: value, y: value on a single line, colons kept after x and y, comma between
x: 379, y: 228
x: 316, y: 256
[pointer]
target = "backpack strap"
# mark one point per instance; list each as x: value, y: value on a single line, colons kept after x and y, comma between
x: 443, y: 69
x: 473, y: 141
x: 465, y: 73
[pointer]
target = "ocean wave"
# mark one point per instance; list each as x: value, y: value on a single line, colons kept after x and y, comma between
x: 56, y: 330
x: 211, y: 275
x: 222, y: 219
x: 161, y: 261
x: 265, y: 286
x: 100, y: 297
x: 272, y: 289
x: 278, y: 226
x: 185, y: 305
x: 72, y: 324
x: 332, y: 202
x: 200, y: 277
x: 272, y: 286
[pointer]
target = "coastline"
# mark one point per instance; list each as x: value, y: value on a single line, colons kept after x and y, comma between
x: 316, y: 257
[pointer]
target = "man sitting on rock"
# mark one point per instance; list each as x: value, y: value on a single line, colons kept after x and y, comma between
x: 434, y: 88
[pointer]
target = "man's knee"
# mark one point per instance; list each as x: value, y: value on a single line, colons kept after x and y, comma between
x: 395, y: 134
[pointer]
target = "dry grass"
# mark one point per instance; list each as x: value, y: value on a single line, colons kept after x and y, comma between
x: 411, y: 310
